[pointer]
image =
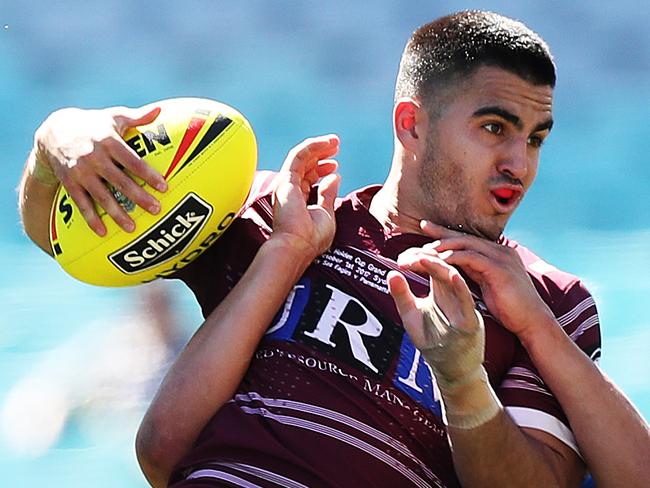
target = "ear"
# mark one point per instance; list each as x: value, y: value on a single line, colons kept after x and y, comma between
x: 408, y: 122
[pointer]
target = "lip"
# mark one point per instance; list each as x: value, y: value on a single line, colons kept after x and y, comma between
x: 505, y: 198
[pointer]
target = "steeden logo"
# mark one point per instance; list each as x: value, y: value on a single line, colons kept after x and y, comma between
x: 170, y: 237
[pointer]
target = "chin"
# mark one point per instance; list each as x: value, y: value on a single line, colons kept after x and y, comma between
x: 489, y: 230
x: 496, y: 233
x: 491, y: 233
x: 470, y: 229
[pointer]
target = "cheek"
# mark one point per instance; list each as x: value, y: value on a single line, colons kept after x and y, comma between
x: 532, y: 173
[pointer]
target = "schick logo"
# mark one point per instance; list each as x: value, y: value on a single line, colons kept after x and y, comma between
x: 166, y: 240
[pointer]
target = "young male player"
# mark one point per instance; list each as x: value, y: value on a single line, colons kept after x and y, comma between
x: 481, y: 382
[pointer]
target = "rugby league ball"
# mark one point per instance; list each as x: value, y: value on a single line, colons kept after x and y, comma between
x: 207, y: 153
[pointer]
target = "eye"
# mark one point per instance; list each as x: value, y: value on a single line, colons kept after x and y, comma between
x: 535, y: 141
x: 493, y: 127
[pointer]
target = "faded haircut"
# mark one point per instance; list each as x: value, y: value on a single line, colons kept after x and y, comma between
x: 444, y: 53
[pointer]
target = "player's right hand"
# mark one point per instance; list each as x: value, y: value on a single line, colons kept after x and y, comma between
x: 84, y: 149
x: 307, y: 229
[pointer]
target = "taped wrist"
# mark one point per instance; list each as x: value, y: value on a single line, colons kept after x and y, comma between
x: 41, y: 172
x: 470, y: 403
x: 456, y: 354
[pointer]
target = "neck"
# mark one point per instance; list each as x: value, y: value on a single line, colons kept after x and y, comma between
x: 392, y: 212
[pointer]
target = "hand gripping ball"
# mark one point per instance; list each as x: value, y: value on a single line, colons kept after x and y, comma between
x: 207, y: 153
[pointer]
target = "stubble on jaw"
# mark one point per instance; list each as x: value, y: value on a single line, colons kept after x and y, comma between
x: 443, y: 199
x: 442, y: 179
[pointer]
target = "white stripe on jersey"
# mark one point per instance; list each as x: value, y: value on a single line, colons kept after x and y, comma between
x: 343, y: 437
x: 262, y: 474
x: 520, y: 371
x: 595, y: 356
x: 587, y: 324
x: 524, y: 385
x: 536, y: 419
x: 252, y: 214
x: 341, y: 418
x: 389, y: 263
x: 572, y: 314
x: 256, y: 216
x: 221, y: 475
x: 266, y: 206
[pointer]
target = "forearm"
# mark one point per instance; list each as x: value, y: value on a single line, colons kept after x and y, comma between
x: 207, y: 373
x: 496, y: 452
x: 613, y: 437
x: 36, y: 193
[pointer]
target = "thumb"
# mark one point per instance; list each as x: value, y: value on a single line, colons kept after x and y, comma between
x: 135, y: 117
x: 328, y: 189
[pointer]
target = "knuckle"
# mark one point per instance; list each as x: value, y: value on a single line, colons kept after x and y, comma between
x: 65, y: 180
x: 83, y: 172
x: 120, y: 178
x: 87, y: 210
x: 307, y: 142
x: 76, y: 171
x: 89, y: 156
x: 108, y: 203
x: 103, y: 198
x: 127, y: 156
x: 107, y: 140
x: 129, y: 159
x: 110, y: 142
x: 137, y: 165
x: 118, y: 185
x: 139, y: 195
x: 91, y: 149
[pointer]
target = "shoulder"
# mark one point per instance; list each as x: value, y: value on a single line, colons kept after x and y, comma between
x: 258, y: 208
x: 212, y: 274
x: 263, y: 185
x: 554, y: 284
x: 567, y: 296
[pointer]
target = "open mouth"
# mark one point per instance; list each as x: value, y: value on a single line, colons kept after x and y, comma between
x: 506, y: 197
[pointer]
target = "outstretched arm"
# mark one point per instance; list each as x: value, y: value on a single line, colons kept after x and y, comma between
x: 613, y: 437
x: 211, y: 366
x: 82, y: 149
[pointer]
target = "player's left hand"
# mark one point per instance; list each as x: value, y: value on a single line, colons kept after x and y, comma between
x: 507, y: 289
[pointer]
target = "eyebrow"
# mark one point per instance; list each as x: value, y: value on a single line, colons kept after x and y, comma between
x: 512, y: 118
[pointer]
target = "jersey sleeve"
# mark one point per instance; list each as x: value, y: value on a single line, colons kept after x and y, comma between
x: 215, y: 272
x: 523, y: 392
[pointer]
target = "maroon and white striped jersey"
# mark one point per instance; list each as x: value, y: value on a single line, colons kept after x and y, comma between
x: 336, y: 394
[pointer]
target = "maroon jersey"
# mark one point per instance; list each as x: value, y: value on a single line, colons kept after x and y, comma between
x: 336, y: 394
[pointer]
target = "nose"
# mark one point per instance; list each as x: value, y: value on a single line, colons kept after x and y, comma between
x: 515, y: 161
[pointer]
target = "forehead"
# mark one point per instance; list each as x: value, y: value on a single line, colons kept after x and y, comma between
x: 491, y: 86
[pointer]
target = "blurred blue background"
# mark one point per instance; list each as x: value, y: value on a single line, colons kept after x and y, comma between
x: 295, y: 69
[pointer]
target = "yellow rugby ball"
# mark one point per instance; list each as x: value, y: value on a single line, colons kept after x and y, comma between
x: 207, y: 153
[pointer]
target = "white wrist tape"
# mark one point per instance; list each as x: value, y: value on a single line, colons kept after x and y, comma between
x: 456, y: 357
x: 469, y: 404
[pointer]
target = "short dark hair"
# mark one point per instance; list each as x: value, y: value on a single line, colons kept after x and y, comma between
x: 453, y: 47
